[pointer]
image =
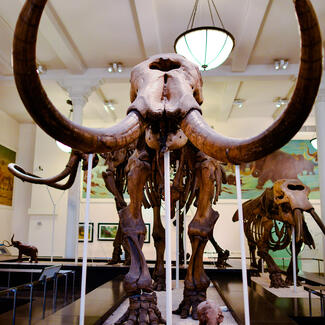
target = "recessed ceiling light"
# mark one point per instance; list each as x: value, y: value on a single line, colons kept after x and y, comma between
x: 239, y: 102
x: 281, y: 64
x: 115, y: 67
x: 280, y: 102
x: 41, y: 69
x: 109, y: 105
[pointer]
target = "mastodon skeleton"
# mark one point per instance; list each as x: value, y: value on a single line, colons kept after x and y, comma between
x: 268, y: 222
x: 165, y: 114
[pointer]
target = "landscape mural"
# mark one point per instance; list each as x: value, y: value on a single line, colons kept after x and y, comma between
x: 7, y: 156
x: 298, y: 158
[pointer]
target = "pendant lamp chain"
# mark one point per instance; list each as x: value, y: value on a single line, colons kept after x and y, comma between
x: 194, y: 12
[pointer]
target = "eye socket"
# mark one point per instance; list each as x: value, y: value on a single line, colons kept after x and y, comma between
x: 293, y: 187
x: 164, y: 65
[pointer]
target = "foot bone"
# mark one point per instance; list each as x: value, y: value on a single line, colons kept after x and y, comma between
x: 142, y: 310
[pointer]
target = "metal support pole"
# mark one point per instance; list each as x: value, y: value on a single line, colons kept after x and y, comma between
x: 44, y: 297
x: 66, y: 287
x: 30, y: 303
x: 242, y: 246
x: 55, y: 291
x: 168, y: 239
x: 262, y: 264
x: 184, y: 239
x: 84, y: 255
x: 294, y: 262
x: 309, y: 298
x: 177, y: 244
x: 73, y: 283
x: 14, y: 306
x: 53, y: 220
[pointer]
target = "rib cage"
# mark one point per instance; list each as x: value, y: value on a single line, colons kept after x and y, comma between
x: 257, y: 228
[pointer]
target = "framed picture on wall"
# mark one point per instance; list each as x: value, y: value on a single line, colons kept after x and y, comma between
x: 90, y: 232
x: 147, y: 238
x: 107, y: 231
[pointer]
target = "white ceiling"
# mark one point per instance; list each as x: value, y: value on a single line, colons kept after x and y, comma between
x: 78, y: 38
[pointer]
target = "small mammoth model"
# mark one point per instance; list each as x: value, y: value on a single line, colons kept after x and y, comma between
x: 285, y: 201
x: 209, y: 313
x: 27, y: 250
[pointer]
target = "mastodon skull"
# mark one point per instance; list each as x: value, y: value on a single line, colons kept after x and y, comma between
x: 292, y: 192
x: 291, y: 196
x: 165, y: 85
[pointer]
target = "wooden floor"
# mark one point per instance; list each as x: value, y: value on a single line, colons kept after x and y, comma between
x: 99, y: 304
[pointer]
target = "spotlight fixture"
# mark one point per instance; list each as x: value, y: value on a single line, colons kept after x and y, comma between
x: 279, y: 102
x: 41, y: 69
x: 109, y: 105
x: 313, y: 142
x: 239, y: 102
x: 115, y: 67
x: 281, y: 64
x: 207, y: 46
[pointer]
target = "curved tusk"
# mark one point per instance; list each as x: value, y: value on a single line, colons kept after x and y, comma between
x: 289, y: 123
x: 298, y: 218
x: 87, y: 140
x: 70, y: 169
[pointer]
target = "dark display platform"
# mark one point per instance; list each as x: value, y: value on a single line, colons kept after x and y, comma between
x: 105, y: 292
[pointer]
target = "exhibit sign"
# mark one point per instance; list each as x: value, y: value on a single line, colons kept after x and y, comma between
x: 297, y: 159
x: 7, y: 156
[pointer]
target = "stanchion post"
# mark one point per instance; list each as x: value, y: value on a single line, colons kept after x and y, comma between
x: 84, y: 255
x: 177, y: 244
x: 168, y: 238
x: 293, y: 245
x: 242, y: 246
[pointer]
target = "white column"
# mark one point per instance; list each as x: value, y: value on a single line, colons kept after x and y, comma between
x: 78, y: 90
x: 320, y: 125
x: 23, y: 190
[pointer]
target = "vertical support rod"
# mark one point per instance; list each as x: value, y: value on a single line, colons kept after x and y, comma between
x: 262, y: 264
x: 242, y: 246
x: 14, y: 307
x: 85, y: 246
x: 184, y: 238
x: 30, y: 303
x: 294, y: 261
x: 53, y: 233
x: 168, y: 239
x: 177, y: 244
x: 44, y: 297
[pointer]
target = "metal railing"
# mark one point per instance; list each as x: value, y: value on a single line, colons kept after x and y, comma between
x: 44, y: 279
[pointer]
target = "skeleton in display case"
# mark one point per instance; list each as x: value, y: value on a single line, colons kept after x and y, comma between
x: 165, y: 114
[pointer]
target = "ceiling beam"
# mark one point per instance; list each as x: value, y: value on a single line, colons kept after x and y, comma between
x: 253, y: 21
x: 6, y: 43
x: 61, y: 42
x: 145, y: 16
x: 5, y: 65
x: 260, y: 72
